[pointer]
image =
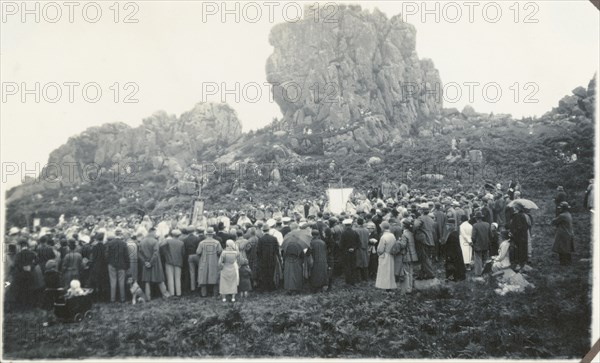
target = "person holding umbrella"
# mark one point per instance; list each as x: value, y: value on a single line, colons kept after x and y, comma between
x: 563, y: 242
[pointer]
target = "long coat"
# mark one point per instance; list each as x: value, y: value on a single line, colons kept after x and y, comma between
x: 250, y: 251
x: 318, y: 273
x: 385, y: 270
x: 520, y: 235
x: 267, y: 250
x: 229, y: 277
x: 293, y: 257
x: 455, y: 265
x: 208, y: 252
x: 362, y: 254
x: 148, y: 252
x: 481, y: 236
x: 563, y: 242
x: 407, y: 241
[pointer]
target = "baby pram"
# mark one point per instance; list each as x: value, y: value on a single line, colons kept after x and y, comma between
x: 74, y: 308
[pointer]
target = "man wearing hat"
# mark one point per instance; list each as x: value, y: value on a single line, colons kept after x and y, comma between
x: 173, y: 251
x: 563, y: 241
x: 208, y: 253
x: 285, y: 229
x: 268, y: 255
x: 480, y: 239
x: 117, y: 256
x: 349, y: 245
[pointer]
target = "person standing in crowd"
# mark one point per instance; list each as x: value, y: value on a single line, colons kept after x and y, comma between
x: 494, y: 238
x: 385, y: 271
x: 349, y: 244
x: 293, y: 259
x: 480, y: 240
x: 152, y: 272
x: 373, y: 244
x: 229, y: 277
x: 318, y: 252
x: 250, y: 251
x: 423, y: 231
x: 561, y: 196
x: 209, y: 250
x: 267, y: 251
x: 362, y: 254
x: 455, y: 265
x: 132, y: 248
x: 564, y: 239
x: 173, y: 251
x: 466, y: 246
x: 44, y: 252
x: 519, y: 230
x: 409, y: 256
x: 117, y: 257
x: 190, y: 245
x: 71, y: 264
x: 98, y: 267
x: 24, y: 264
x: 440, y: 229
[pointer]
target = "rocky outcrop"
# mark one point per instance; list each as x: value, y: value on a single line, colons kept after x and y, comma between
x: 162, y: 141
x: 357, y: 69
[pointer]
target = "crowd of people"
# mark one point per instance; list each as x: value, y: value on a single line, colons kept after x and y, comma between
x: 392, y: 240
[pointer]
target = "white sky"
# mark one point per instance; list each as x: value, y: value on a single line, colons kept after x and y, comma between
x: 171, y: 51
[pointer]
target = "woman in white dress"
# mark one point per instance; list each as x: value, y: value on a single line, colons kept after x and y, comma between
x: 465, y: 241
x: 229, y: 277
x: 385, y: 270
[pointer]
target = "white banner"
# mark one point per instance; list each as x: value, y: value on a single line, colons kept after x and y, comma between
x: 338, y: 199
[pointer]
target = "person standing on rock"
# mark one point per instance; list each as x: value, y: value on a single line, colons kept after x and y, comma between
x: 563, y: 241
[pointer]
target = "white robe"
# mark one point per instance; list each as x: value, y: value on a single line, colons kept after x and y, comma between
x: 465, y: 239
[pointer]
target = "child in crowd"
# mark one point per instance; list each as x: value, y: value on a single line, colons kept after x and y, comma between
x: 245, y: 278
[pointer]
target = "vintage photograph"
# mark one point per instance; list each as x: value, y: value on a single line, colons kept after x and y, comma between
x: 322, y: 180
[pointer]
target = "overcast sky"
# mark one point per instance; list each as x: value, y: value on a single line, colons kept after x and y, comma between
x: 172, y: 51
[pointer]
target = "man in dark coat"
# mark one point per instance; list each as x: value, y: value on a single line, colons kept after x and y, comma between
x: 318, y: 272
x: 98, y: 267
x: 362, y: 254
x: 563, y: 242
x: 480, y: 238
x: 349, y: 244
x: 117, y: 257
x: 423, y: 230
x: 24, y: 265
x: 561, y: 196
x: 440, y: 229
x: 455, y: 265
x: 223, y: 236
x: 267, y: 251
x: 44, y: 252
x: 190, y: 258
x: 519, y: 229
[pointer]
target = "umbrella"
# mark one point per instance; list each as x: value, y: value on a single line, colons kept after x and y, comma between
x: 297, y: 235
x: 525, y: 203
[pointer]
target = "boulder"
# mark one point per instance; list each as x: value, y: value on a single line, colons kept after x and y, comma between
x: 366, y: 73
x: 374, y: 160
x: 580, y: 92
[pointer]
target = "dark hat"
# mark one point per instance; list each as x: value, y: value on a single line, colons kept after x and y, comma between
x: 564, y: 205
x: 478, y: 214
x: 314, y: 232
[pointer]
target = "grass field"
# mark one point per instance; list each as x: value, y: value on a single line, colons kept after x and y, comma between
x: 458, y: 320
